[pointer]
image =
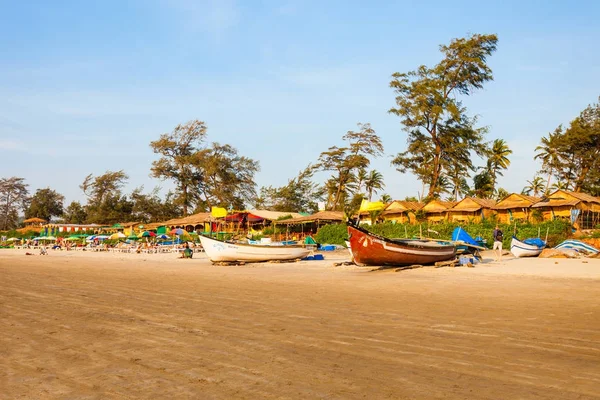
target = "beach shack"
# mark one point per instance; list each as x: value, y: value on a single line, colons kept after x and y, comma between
x: 402, y: 212
x: 34, y: 223
x: 515, y: 207
x: 471, y: 210
x: 581, y: 209
x: 199, y: 222
x: 254, y: 220
x: 436, y: 211
x: 310, y: 224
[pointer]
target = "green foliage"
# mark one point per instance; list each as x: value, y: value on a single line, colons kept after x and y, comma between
x: 441, y: 136
x: 150, y: 207
x: 75, y: 214
x: 498, y: 159
x: 537, y: 215
x: 572, y: 154
x: 14, y: 197
x: 348, y: 165
x: 332, y: 234
x: 45, y: 204
x: 300, y: 194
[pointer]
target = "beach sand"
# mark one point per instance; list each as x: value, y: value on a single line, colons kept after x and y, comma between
x: 80, y: 325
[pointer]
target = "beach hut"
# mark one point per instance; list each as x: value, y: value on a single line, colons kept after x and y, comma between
x: 317, y: 219
x: 401, y: 211
x: 471, y: 209
x: 195, y: 223
x: 515, y: 207
x: 436, y: 211
x: 310, y: 224
x: 198, y: 222
x: 35, y: 223
x: 581, y: 209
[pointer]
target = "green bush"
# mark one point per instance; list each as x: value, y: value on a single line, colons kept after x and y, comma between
x: 332, y: 234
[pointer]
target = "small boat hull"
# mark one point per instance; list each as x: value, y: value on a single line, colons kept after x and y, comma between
x: 521, y: 249
x: 220, y: 251
x: 370, y: 249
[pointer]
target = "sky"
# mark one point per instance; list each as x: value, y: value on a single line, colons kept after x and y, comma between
x: 86, y: 86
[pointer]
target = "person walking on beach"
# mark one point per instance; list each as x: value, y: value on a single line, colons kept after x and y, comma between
x: 498, y: 237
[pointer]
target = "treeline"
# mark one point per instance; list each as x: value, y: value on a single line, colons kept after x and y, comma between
x: 441, y: 140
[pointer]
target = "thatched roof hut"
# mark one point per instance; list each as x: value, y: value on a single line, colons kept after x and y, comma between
x: 321, y: 216
x: 515, y: 207
x: 34, y: 222
x: 583, y: 210
x: 401, y: 211
x: 437, y: 210
x: 471, y: 209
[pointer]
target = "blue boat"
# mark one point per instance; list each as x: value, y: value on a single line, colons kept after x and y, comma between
x: 464, y: 242
x: 578, y: 246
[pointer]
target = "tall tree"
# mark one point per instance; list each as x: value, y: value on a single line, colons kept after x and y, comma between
x: 373, y: 183
x: 386, y: 198
x: 300, y: 194
x: 75, y: 213
x: 178, y: 151
x: 482, y: 185
x: 150, y: 207
x: 226, y: 178
x: 432, y: 115
x: 45, y: 204
x: 498, y: 159
x: 14, y: 197
x: 501, y: 193
x: 548, y: 153
x: 106, y: 202
x: 579, y: 152
x: 345, y: 162
x: 534, y: 187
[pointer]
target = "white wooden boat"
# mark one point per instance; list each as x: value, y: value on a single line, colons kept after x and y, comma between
x: 522, y: 249
x: 218, y: 251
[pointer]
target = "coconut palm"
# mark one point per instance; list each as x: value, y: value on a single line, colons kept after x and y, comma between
x: 548, y: 153
x: 361, y: 178
x: 386, y: 198
x: 559, y: 186
x: 373, y: 183
x: 498, y: 159
x: 482, y: 185
x: 501, y: 194
x: 535, y: 187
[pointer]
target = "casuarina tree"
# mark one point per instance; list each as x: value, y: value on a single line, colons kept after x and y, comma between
x: 439, y: 130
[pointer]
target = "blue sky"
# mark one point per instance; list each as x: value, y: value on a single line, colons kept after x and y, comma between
x: 85, y: 86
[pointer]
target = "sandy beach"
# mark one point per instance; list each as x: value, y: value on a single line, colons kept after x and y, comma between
x: 80, y: 325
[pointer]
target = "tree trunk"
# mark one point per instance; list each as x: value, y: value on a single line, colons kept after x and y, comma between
x: 581, y: 179
x: 548, y: 182
x: 436, y: 172
x: 185, y: 200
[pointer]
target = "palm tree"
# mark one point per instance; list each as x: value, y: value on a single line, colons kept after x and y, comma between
x: 482, y: 185
x: 373, y: 183
x: 559, y: 186
x: 498, y: 159
x: 501, y: 194
x: 535, y: 187
x: 361, y: 178
x: 547, y: 151
x: 386, y: 198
